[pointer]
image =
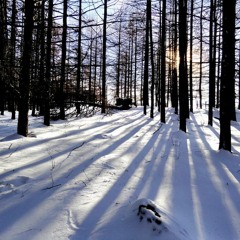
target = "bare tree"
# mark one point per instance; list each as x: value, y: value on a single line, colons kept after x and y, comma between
x: 183, y: 78
x: 211, y: 63
x: 79, y: 57
x: 228, y: 73
x: 146, y: 59
x: 191, y: 56
x: 13, y: 61
x: 3, y: 46
x: 152, y: 64
x: 63, y: 60
x: 163, y: 62
x: 48, y: 64
x: 104, y: 58
x: 24, y: 85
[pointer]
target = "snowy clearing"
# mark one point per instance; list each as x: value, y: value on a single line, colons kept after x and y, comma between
x: 86, y: 178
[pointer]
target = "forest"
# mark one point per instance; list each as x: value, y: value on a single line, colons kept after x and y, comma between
x: 76, y: 57
x: 119, y: 119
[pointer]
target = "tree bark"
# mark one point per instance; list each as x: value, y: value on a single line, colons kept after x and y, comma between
x: 13, y: 59
x: 201, y: 57
x: 211, y: 65
x: 174, y: 93
x: 63, y: 61
x: 48, y: 64
x: 228, y: 73
x: 79, y: 58
x: 3, y: 45
x: 191, y: 57
x: 104, y: 58
x: 152, y: 64
x: 24, y: 85
x: 163, y: 63
x: 41, y: 93
x: 183, y: 79
x: 146, y: 60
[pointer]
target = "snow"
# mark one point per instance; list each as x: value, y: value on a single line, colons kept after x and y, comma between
x: 86, y: 178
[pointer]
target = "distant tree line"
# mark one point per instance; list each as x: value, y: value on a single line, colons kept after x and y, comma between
x: 158, y: 53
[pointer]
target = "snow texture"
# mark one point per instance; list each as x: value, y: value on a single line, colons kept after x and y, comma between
x: 122, y: 176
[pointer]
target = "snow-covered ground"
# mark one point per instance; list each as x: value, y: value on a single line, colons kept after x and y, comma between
x: 121, y: 176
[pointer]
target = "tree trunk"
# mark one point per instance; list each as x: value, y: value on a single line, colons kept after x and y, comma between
x: 183, y: 79
x: 218, y: 63
x: 135, y: 66
x: 48, y: 64
x: 90, y: 70
x: 42, y: 76
x: 79, y: 58
x: 146, y: 60
x: 3, y: 45
x: 95, y: 69
x: 24, y: 85
x: 191, y: 57
x: 228, y: 73
x: 163, y: 63
x: 63, y: 61
x: 211, y: 66
x: 239, y: 80
x: 152, y: 64
x: 104, y: 58
x: 174, y: 71
x: 118, y: 62
x: 201, y: 57
x: 13, y: 59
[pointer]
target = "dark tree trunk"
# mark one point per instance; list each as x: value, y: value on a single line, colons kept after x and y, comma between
x: 218, y: 63
x: 228, y: 74
x: 90, y: 70
x: 13, y: 59
x: 79, y: 57
x: 95, y: 69
x: 48, y: 64
x: 211, y: 65
x: 119, y: 61
x: 24, y: 85
x: 63, y: 61
x: 135, y: 67
x: 42, y: 62
x: 174, y: 71
x: 163, y: 63
x: 3, y: 45
x: 191, y: 58
x: 146, y: 60
x: 183, y: 78
x: 104, y: 58
x: 152, y: 64
x: 201, y: 57
x: 131, y: 64
x: 239, y: 81
x: 158, y: 65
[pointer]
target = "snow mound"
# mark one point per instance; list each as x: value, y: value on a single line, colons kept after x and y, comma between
x: 141, y: 220
x: 13, y: 186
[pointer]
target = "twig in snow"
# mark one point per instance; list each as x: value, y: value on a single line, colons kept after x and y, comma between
x: 69, y: 154
x: 12, y: 152
x: 47, y: 188
x: 86, y: 176
x: 74, y: 150
x: 158, y: 128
